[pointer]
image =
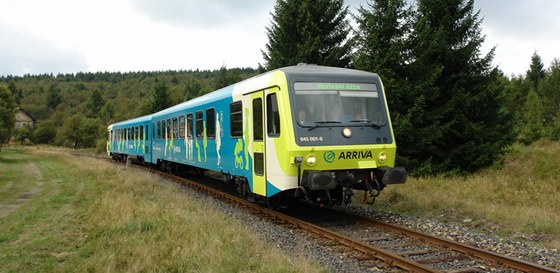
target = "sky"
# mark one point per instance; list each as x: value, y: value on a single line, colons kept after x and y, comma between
x: 69, y: 36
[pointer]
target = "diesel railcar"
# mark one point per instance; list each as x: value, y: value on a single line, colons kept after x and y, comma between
x: 303, y: 131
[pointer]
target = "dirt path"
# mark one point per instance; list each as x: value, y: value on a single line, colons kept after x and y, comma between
x: 34, y: 173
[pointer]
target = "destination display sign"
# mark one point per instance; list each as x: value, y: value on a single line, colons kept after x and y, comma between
x: 312, y: 86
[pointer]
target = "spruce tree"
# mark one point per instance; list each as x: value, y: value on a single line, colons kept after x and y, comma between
x: 381, y: 39
x: 550, y: 89
x: 160, y: 99
x: 536, y: 71
x: 308, y: 31
x: 383, y: 46
x: 456, y: 120
x: 531, y: 128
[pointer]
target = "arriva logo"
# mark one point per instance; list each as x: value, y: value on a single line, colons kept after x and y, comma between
x: 329, y: 156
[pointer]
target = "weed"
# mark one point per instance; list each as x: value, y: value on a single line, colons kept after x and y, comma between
x: 519, y: 195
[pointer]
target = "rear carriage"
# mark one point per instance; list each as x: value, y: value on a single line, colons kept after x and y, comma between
x: 130, y: 139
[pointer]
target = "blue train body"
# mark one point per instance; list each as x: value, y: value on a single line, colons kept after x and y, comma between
x: 131, y: 138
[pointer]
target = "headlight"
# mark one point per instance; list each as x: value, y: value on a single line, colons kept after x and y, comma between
x: 346, y: 132
x: 382, y: 157
x: 311, y: 160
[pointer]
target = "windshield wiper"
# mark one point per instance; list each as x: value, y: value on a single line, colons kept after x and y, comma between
x: 369, y: 122
x: 321, y: 123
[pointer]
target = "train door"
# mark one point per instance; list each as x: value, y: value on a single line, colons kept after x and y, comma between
x: 258, y: 143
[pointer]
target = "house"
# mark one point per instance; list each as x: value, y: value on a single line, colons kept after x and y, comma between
x: 23, y: 118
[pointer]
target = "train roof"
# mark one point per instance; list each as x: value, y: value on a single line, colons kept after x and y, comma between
x: 299, y: 71
x: 204, y: 99
x: 305, y: 69
x: 134, y: 120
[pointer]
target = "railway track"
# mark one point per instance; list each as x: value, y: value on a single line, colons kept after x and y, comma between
x: 396, y: 246
x: 427, y: 253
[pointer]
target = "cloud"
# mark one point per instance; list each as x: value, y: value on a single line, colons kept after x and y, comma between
x: 40, y: 36
x: 203, y: 14
x: 519, y: 28
x: 525, y: 19
x: 22, y: 53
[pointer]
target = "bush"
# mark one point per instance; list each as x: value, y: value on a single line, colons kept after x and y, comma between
x: 45, y: 133
x: 24, y: 135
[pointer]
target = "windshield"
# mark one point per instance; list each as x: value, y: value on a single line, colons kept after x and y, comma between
x: 333, y: 103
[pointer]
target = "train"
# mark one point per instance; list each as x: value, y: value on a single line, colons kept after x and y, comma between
x: 308, y: 132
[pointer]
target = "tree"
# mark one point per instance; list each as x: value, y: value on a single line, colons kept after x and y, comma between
x: 536, y: 71
x: 95, y: 104
x: 7, y: 115
x: 308, y: 31
x: 382, y: 43
x: 550, y: 89
x: 79, y: 131
x: 453, y: 115
x: 225, y: 77
x: 53, y: 97
x: 192, y: 88
x: 45, y: 133
x: 107, y: 112
x: 160, y: 99
x: 383, y: 46
x: 18, y: 95
x: 532, y: 126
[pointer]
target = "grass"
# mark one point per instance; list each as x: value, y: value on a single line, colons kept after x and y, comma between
x: 92, y: 216
x: 515, y: 198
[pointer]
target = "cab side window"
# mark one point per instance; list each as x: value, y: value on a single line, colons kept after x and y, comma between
x: 272, y: 116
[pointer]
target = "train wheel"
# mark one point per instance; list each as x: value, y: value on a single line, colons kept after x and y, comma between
x: 243, y: 187
x: 369, y: 197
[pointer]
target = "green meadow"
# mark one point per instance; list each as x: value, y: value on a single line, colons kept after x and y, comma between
x: 60, y: 213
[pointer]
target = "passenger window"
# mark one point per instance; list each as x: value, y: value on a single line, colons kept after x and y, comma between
x: 199, y: 124
x: 236, y: 121
x: 182, y: 126
x: 159, y: 129
x: 272, y: 116
x: 141, y: 132
x: 210, y: 123
x: 190, y: 125
x: 175, y: 128
x: 168, y: 131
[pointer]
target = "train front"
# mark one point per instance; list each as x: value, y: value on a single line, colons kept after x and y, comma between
x: 343, y: 136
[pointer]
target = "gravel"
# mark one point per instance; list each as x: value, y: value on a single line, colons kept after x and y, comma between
x: 296, y: 243
x: 523, y: 250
